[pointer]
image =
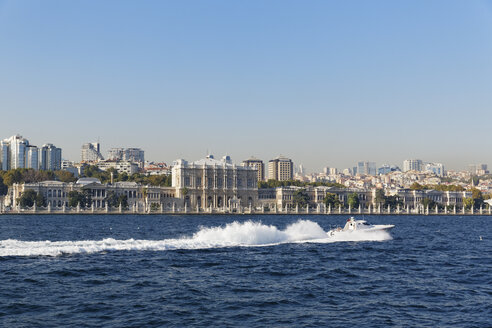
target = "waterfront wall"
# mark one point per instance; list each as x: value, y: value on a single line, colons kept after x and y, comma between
x: 177, y: 210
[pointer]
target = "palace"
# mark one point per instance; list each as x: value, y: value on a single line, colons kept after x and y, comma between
x: 215, y: 183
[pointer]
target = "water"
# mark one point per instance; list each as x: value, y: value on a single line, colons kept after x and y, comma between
x: 274, y: 271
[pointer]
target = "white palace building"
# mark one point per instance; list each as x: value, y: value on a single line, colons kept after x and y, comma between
x: 215, y: 183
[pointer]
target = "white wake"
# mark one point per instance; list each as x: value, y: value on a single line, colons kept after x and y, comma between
x: 247, y: 233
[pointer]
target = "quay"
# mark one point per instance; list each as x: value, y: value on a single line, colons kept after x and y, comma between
x: 184, y: 210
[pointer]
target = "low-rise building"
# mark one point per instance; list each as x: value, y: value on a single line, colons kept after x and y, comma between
x: 120, y: 166
x: 56, y: 193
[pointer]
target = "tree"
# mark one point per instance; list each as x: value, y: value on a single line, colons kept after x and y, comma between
x: 416, y: 186
x: 112, y: 199
x: 393, y: 201
x: 123, y: 200
x: 11, y: 177
x: 380, y: 197
x: 300, y: 198
x: 468, y: 203
x: 83, y: 198
x: 332, y: 200
x: 123, y: 176
x: 275, y: 184
x: 447, y: 187
x: 353, y: 200
x: 477, y: 198
x: 3, y: 187
x: 29, y: 197
x: 65, y: 176
x: 92, y: 171
x: 427, y: 202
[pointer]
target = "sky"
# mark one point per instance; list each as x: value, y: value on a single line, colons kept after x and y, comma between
x: 326, y: 83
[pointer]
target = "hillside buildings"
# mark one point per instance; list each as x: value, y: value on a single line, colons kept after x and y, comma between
x: 281, y: 169
x: 258, y: 165
x: 478, y: 169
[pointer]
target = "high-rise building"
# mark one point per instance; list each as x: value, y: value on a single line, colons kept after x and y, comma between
x: 4, y: 155
x: 91, y: 152
x: 281, y: 169
x: 32, y: 157
x: 436, y: 168
x: 14, y: 152
x: 257, y: 164
x: 51, y: 158
x: 330, y: 170
x: 366, y: 168
x: 412, y: 165
x: 126, y: 154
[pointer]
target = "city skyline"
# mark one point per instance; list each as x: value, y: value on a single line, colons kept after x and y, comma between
x: 359, y: 166
x: 323, y: 83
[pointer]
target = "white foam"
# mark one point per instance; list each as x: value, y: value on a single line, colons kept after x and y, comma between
x: 247, y: 233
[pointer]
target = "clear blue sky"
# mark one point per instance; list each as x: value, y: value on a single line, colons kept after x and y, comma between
x: 327, y: 83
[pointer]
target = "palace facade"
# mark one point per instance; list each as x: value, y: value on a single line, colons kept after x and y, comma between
x: 215, y: 183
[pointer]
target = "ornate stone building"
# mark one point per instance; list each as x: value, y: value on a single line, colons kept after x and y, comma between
x: 56, y: 193
x: 215, y: 183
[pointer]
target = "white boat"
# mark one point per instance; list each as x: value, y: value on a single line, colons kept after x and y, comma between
x: 359, y: 225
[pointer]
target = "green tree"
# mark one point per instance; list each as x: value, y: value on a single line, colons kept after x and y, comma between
x: 123, y: 200
x: 380, y: 197
x: 332, y: 200
x: 123, y: 176
x: 29, y: 197
x: 300, y: 198
x: 111, y: 199
x: 11, y: 177
x: 65, y: 176
x: 393, y: 201
x: 3, y: 187
x: 275, y: 184
x: 353, y: 200
x: 468, y: 203
x: 114, y: 200
x: 427, y: 202
x: 477, y: 198
x: 447, y: 188
x: 83, y: 198
x: 416, y: 186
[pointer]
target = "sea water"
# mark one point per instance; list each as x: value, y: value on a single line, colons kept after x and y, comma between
x: 247, y: 271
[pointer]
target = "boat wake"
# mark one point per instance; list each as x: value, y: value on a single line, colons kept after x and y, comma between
x: 247, y: 233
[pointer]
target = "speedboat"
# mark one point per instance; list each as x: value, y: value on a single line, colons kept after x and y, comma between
x: 359, y: 225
